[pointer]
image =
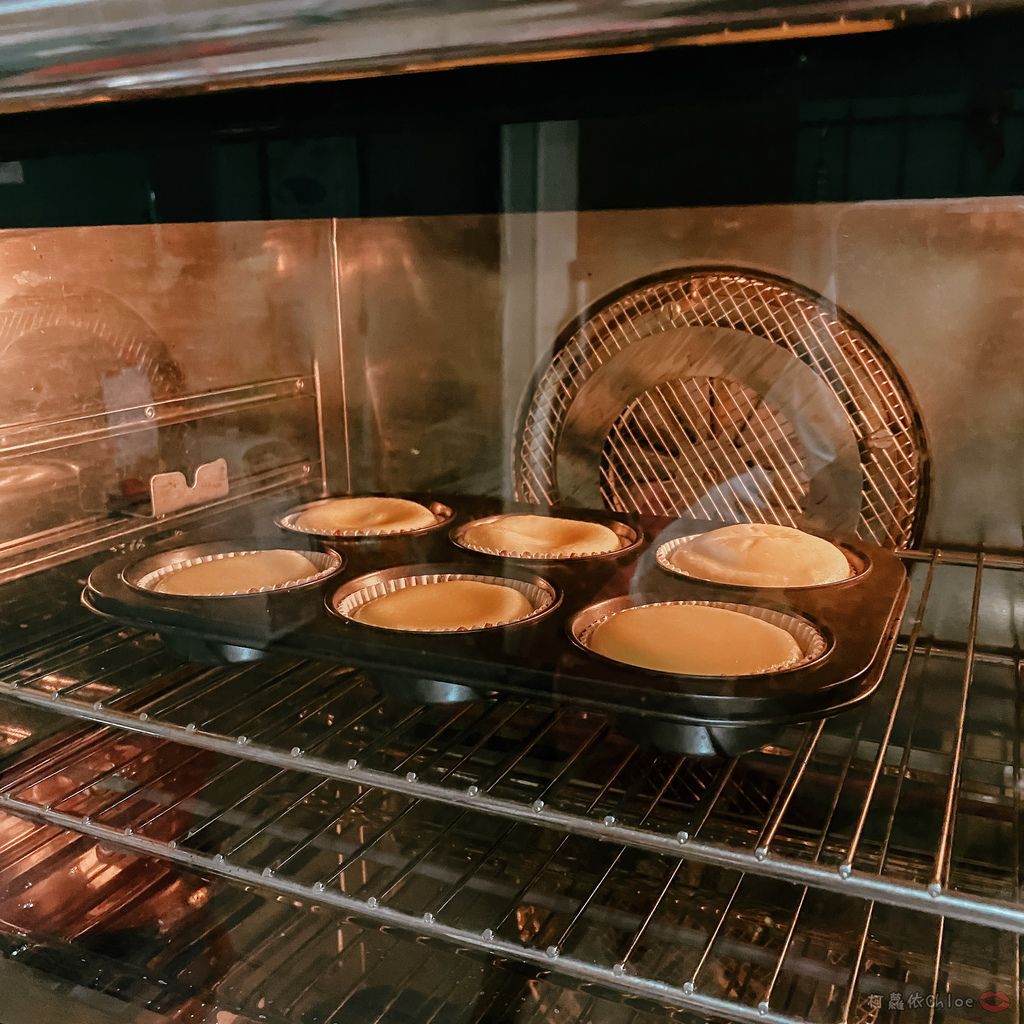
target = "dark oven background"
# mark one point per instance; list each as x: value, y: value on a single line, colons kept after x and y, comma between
x: 919, y: 113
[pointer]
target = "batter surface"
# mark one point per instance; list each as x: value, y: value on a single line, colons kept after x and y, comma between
x: 381, y: 515
x: 446, y: 606
x: 238, y: 574
x: 695, y: 640
x: 531, y: 536
x: 761, y: 555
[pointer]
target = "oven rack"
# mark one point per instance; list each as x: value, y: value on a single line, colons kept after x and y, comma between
x: 225, y: 950
x: 662, y: 929
x: 900, y: 777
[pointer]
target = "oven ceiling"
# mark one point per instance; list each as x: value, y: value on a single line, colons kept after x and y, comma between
x: 57, y: 53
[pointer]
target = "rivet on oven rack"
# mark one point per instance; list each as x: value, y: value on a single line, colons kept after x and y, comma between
x: 143, y: 715
x: 410, y: 776
x: 191, y: 727
x: 553, y: 951
x: 689, y: 988
x: 351, y: 764
x: 296, y: 751
x: 609, y: 819
x: 428, y: 918
x: 538, y: 806
x: 241, y: 740
x: 268, y: 872
x: 845, y: 870
x: 487, y: 934
x: 318, y: 887
x: 371, y: 902
x: 763, y: 1008
x: 683, y: 837
x: 472, y: 790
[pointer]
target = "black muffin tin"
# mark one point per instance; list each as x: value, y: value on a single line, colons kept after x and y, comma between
x: 859, y: 619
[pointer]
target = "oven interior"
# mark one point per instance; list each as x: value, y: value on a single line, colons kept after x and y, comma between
x: 277, y: 840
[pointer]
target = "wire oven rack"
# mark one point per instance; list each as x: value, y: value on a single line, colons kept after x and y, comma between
x: 912, y: 801
x: 220, y: 946
x: 677, y: 933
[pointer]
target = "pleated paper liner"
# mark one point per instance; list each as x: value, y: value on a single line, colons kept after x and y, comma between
x: 809, y: 639
x: 442, y: 514
x: 147, y: 574
x: 859, y: 563
x: 363, y: 591
x: 629, y: 538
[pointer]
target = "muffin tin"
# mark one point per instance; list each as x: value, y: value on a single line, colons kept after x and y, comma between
x: 857, y: 618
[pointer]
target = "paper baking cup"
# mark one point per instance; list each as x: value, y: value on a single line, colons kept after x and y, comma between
x: 289, y: 521
x: 858, y: 566
x: 628, y: 538
x: 348, y: 599
x: 328, y: 564
x: 810, y: 640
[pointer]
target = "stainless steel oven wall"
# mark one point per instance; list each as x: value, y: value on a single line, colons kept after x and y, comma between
x: 444, y: 321
x: 424, y: 353
x: 126, y: 351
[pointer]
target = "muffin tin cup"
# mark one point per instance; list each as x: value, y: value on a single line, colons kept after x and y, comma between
x: 259, y: 618
x: 362, y: 591
x: 358, y: 593
x: 698, y: 740
x: 859, y: 560
x: 727, y: 739
x: 421, y: 690
x: 443, y: 515
x: 629, y: 539
x: 809, y: 638
x: 145, y: 575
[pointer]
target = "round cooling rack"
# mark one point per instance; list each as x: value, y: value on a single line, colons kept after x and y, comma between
x: 728, y: 395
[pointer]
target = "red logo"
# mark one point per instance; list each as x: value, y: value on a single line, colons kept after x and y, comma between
x: 994, y: 1002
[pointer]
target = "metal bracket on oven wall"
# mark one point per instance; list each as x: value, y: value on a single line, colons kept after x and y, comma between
x: 171, y: 492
